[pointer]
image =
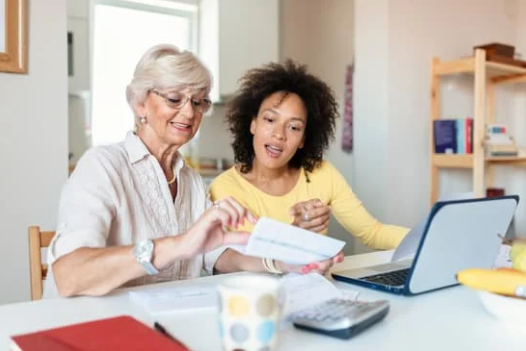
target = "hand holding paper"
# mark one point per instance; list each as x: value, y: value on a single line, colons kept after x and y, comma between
x: 290, y: 244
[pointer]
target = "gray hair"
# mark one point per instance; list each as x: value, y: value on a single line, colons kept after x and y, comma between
x: 164, y: 66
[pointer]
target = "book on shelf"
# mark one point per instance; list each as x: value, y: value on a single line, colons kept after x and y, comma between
x: 503, y: 154
x: 498, y: 143
x: 453, y: 136
x: 499, y: 139
x: 445, y: 136
x: 495, y: 192
x: 116, y: 333
x: 495, y: 129
x: 464, y: 136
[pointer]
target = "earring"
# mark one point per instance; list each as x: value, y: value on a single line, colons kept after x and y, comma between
x: 142, y: 119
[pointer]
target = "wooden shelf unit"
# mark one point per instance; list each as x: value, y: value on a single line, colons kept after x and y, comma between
x: 486, y: 75
x: 466, y: 161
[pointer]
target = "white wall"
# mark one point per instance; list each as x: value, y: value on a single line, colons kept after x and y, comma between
x: 414, y: 32
x: 214, y: 138
x: 320, y: 35
x: 33, y: 144
x: 371, y: 106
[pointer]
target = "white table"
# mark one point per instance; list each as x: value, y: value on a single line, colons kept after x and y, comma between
x: 449, y: 319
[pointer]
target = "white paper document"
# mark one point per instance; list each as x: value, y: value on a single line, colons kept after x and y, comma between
x: 161, y: 300
x: 306, y: 290
x: 301, y: 291
x: 288, y: 243
x: 409, y: 245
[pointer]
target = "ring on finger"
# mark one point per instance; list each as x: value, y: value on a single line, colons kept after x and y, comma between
x: 216, y: 205
x: 305, y: 217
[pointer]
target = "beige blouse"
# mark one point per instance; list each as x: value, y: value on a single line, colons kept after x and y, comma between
x: 118, y: 195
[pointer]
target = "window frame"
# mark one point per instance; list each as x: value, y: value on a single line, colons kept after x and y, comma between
x: 186, y: 9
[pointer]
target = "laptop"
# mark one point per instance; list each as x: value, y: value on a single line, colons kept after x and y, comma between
x: 458, y: 234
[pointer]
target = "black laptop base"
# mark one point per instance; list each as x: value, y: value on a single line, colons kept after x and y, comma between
x: 399, y: 290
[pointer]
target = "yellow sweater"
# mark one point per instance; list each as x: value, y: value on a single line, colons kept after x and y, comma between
x: 326, y: 184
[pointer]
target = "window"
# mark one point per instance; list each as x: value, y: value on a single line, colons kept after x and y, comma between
x: 122, y: 32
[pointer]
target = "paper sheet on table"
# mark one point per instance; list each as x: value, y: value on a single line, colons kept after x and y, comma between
x: 409, y: 245
x: 306, y: 290
x: 161, y: 300
x: 288, y: 243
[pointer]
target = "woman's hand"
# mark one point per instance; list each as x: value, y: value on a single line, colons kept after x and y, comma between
x: 210, y: 231
x: 311, y: 215
x: 321, y: 267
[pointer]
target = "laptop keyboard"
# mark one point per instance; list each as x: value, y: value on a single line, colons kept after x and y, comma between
x: 394, y: 278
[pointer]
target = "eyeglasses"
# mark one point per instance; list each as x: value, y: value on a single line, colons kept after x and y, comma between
x: 178, y: 101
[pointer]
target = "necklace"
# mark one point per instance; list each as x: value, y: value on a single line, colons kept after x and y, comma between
x: 170, y: 182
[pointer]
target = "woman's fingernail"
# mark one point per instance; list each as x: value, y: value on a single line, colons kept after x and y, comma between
x: 313, y: 266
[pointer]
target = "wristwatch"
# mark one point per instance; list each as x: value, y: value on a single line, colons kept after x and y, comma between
x: 143, y: 253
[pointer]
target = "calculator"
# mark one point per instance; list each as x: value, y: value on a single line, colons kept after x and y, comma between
x: 341, y: 318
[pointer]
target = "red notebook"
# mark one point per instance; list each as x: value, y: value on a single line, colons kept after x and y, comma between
x: 117, y: 333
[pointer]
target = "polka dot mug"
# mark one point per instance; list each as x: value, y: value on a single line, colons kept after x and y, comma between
x: 249, y: 312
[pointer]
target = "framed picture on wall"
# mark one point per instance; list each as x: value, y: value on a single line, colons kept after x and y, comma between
x: 13, y: 36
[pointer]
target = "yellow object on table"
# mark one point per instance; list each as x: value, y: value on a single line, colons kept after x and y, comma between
x: 506, y: 281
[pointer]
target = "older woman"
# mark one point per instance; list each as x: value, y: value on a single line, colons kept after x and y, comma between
x: 282, y: 120
x: 133, y: 213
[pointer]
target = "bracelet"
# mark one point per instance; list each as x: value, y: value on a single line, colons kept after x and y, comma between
x: 265, y: 265
x: 270, y: 266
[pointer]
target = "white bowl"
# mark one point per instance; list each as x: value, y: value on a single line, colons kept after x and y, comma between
x: 508, y: 309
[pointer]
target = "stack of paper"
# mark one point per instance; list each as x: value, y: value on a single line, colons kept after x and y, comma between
x: 162, y: 300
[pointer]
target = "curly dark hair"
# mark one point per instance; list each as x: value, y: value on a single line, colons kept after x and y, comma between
x: 290, y: 77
